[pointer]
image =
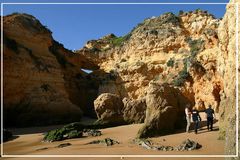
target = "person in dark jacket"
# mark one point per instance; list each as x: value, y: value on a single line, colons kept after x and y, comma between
x: 196, y: 118
x: 210, y: 116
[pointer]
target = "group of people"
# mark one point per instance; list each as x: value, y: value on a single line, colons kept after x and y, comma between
x: 194, y: 114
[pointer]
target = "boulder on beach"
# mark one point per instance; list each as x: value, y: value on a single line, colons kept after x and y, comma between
x: 111, y: 109
x: 165, y: 110
x: 108, y: 108
x: 134, y: 111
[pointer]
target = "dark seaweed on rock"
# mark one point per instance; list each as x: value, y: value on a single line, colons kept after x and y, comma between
x: 73, y: 130
x: 106, y: 141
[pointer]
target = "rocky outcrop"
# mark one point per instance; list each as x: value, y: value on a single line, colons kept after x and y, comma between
x: 73, y: 130
x: 92, y: 132
x: 177, y: 52
x: 41, y: 85
x: 166, y: 49
x: 108, y: 108
x: 165, y: 110
x: 174, y: 49
x: 105, y: 141
x: 187, y: 145
x: 111, y: 109
x: 227, y: 69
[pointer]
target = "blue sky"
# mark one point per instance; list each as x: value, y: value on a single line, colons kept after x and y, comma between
x: 74, y: 25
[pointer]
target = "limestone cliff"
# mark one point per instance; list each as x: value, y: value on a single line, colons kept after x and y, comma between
x: 180, y: 50
x: 194, y: 52
x: 227, y: 69
x: 42, y: 84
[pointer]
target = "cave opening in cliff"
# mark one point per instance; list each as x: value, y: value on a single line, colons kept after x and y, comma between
x: 88, y: 71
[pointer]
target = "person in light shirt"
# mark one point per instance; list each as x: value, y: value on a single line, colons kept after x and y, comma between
x: 188, y: 117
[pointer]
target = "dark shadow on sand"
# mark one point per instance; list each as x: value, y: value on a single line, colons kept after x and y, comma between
x: 33, y: 130
x: 204, y: 130
x: 202, y: 127
x: 12, y: 138
x: 44, y: 129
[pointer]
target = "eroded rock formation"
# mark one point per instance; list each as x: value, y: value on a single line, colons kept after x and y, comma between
x: 178, y: 50
x: 134, y: 111
x: 227, y: 69
x: 165, y: 110
x: 41, y: 84
x: 190, y: 52
x: 109, y: 109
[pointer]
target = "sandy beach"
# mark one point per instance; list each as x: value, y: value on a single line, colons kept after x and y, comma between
x: 27, y: 142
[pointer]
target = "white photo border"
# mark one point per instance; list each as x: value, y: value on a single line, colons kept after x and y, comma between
x: 69, y: 156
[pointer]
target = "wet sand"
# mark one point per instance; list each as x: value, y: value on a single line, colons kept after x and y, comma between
x: 29, y: 143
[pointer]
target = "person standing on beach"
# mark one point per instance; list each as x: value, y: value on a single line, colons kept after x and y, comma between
x: 196, y: 118
x: 210, y: 116
x: 188, y: 117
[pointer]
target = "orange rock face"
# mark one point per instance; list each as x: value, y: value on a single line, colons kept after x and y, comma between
x: 178, y: 50
x: 40, y: 84
x: 165, y: 110
x: 228, y: 71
